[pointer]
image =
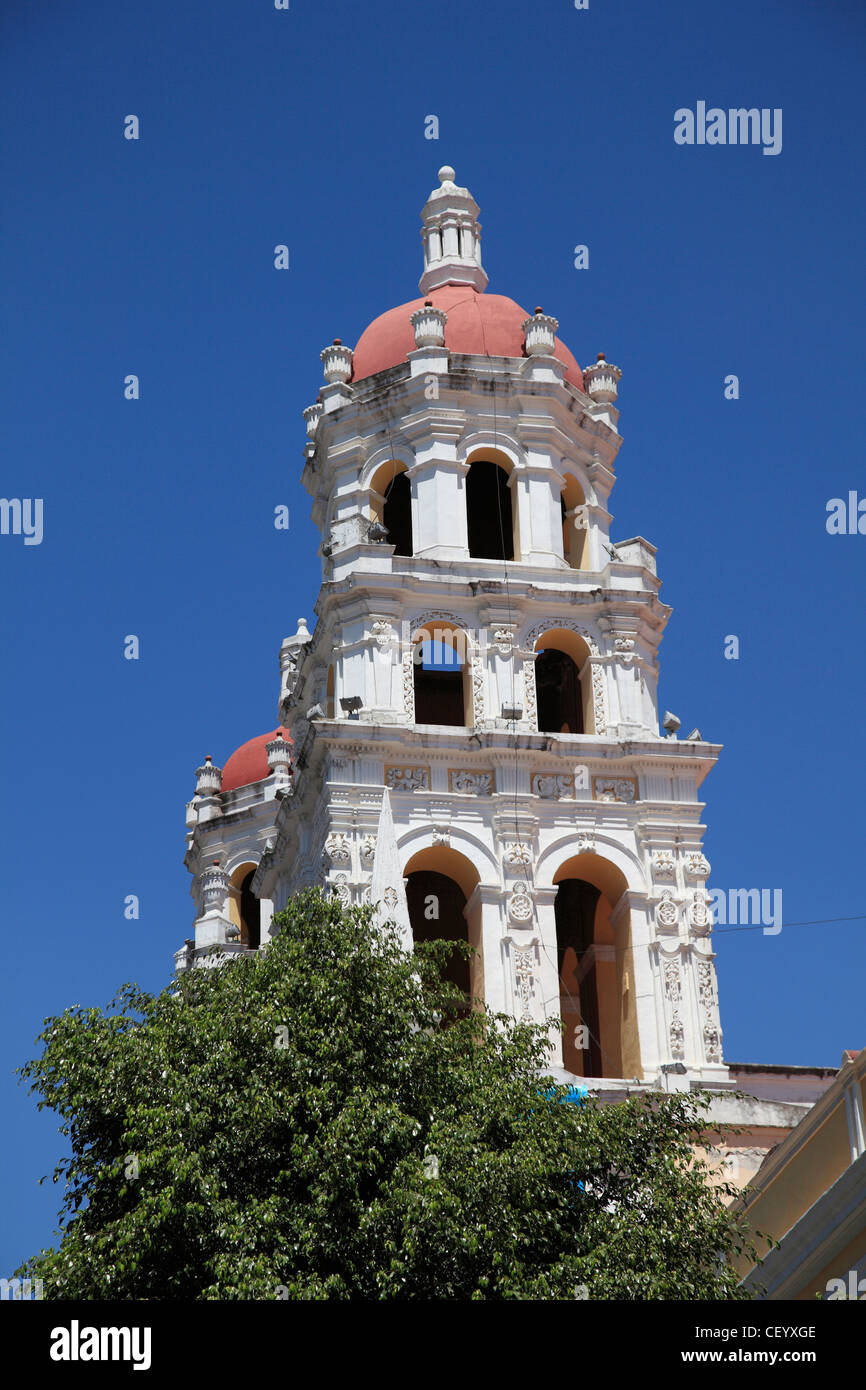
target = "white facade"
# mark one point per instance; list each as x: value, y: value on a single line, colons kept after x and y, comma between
x: 505, y: 810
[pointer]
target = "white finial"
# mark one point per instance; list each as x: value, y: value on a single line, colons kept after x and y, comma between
x: 452, y: 237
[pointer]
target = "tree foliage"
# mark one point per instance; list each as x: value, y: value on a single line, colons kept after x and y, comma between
x: 322, y: 1120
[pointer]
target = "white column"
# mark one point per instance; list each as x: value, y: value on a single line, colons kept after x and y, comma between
x: 439, y: 505
x: 535, y: 495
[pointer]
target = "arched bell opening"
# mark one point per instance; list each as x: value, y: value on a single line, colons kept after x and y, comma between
x: 245, y: 909
x: 443, y: 689
x: 390, y: 503
x: 575, y: 524
x: 489, y: 516
x: 563, y: 683
x: 397, y: 514
x: 439, y: 885
x: 557, y: 685
x: 596, y: 975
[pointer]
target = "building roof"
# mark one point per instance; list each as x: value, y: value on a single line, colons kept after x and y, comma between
x: 249, y: 763
x: 488, y: 325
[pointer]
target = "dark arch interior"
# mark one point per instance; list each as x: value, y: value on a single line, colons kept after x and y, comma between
x: 251, y: 913
x: 557, y: 683
x: 397, y: 514
x: 429, y: 893
x: 574, y: 910
x: 438, y: 678
x: 488, y: 512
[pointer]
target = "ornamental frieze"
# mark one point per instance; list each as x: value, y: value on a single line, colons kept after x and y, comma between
x: 474, y: 783
x: 407, y: 779
x: 622, y: 789
x: 551, y: 786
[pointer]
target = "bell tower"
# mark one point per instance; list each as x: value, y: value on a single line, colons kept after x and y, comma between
x: 486, y: 652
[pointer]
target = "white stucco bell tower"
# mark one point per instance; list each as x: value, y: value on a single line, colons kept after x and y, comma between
x: 486, y: 652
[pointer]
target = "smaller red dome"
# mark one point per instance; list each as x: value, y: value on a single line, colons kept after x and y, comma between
x: 249, y: 763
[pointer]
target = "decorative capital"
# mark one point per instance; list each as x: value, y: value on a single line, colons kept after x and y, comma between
x: 337, y: 363
x: 539, y: 334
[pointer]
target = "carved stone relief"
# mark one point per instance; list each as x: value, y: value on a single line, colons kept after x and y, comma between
x: 407, y: 779
x: 337, y: 849
x: 664, y: 864
x: 667, y: 912
x: 551, y: 786
x: 524, y: 979
x: 621, y: 789
x: 465, y: 780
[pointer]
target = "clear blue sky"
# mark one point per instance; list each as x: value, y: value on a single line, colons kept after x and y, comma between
x: 155, y: 257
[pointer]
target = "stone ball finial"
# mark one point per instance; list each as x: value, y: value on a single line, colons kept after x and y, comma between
x: 446, y: 174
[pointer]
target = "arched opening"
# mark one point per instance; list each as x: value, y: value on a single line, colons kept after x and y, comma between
x: 251, y: 914
x: 574, y: 909
x: 575, y: 524
x: 489, y: 519
x: 563, y: 683
x: 245, y: 909
x: 390, y: 503
x: 397, y: 514
x: 442, y: 690
x: 439, y: 884
x: 436, y: 908
x: 596, y: 990
x: 557, y: 684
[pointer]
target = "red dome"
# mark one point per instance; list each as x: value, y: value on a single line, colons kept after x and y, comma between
x: 249, y: 763
x: 485, y: 324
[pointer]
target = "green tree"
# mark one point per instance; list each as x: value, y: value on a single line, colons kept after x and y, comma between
x: 322, y: 1120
